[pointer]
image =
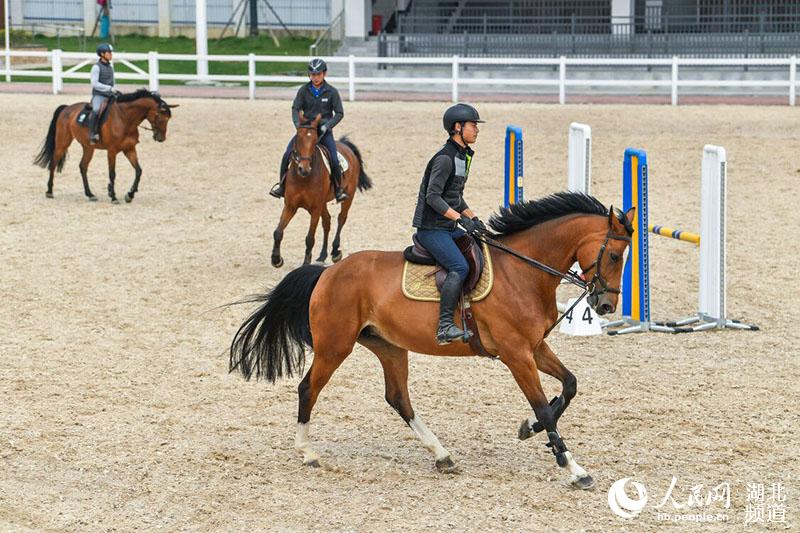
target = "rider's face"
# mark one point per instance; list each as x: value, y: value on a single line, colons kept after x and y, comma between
x: 316, y: 78
x: 470, y: 132
x: 107, y: 56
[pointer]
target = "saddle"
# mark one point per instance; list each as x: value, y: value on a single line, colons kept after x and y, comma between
x: 83, y: 116
x: 469, y: 248
x: 326, y: 158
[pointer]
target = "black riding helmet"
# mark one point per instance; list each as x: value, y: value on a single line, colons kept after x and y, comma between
x: 459, y: 113
x: 104, y: 47
x: 317, y: 65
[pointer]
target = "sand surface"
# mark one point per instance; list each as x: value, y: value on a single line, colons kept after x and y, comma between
x: 118, y: 413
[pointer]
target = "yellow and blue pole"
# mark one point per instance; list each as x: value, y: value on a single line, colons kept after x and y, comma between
x: 636, y: 276
x: 513, y: 167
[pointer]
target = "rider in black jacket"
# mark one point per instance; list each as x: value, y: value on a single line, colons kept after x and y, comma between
x: 441, y: 208
x: 317, y: 97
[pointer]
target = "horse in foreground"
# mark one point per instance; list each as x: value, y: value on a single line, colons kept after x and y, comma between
x: 308, y: 185
x: 119, y: 132
x: 309, y: 308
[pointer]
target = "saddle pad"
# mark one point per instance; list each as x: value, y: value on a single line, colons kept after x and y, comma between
x: 343, y: 164
x: 419, y: 282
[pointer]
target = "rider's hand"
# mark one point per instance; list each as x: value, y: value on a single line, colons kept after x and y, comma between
x: 323, y: 129
x: 115, y: 92
x: 479, y: 225
x: 468, y: 224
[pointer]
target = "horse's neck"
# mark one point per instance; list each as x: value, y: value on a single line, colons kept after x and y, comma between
x: 556, y: 242
x: 134, y: 112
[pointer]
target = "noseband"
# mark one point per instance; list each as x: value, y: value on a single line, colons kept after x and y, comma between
x: 598, y: 279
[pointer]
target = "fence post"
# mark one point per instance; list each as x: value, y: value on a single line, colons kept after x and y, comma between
x: 57, y: 70
x: 351, y: 77
x: 454, y: 94
x: 562, y: 79
x: 674, y: 80
x: 792, y: 79
x: 251, y: 76
x: 152, y: 68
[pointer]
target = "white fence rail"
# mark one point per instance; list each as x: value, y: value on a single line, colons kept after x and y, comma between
x: 153, y: 75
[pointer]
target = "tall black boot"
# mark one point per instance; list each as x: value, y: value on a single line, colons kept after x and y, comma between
x: 448, y: 331
x: 336, y: 176
x: 279, y: 188
x: 94, y: 136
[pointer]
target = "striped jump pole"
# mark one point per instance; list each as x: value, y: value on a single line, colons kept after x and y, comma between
x: 636, y: 276
x: 514, y: 182
x: 579, y: 158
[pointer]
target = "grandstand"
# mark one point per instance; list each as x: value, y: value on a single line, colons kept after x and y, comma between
x: 593, y: 28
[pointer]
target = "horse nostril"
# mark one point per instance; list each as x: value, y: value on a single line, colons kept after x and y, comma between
x: 606, y: 309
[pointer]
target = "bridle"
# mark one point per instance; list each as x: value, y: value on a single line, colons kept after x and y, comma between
x: 297, y: 158
x: 589, y: 287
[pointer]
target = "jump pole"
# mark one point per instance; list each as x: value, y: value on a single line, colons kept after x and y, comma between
x: 514, y: 168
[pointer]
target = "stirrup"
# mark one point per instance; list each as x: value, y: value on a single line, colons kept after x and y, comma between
x: 450, y: 333
x: 277, y: 190
x: 340, y: 195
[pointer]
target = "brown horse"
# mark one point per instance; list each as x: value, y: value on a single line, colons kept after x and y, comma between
x: 309, y: 307
x: 119, y: 133
x: 308, y: 185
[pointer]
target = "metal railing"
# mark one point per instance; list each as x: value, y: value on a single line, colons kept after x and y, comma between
x: 331, y: 39
x: 453, y: 82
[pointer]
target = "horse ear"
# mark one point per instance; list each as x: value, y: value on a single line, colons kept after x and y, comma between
x: 317, y: 119
x: 302, y: 116
x: 173, y: 106
x: 630, y: 214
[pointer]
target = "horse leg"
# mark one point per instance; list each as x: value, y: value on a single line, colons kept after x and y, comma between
x: 548, y: 362
x: 112, y: 174
x: 88, y: 153
x: 395, y: 373
x: 336, y: 254
x: 523, y: 368
x: 286, y: 216
x: 326, y: 229
x: 133, y: 157
x: 310, y: 237
x: 63, y: 140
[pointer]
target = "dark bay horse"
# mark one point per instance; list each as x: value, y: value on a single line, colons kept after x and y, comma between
x: 309, y: 308
x: 119, y: 133
x: 308, y: 185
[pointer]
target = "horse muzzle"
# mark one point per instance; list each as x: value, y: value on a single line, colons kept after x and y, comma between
x: 601, y: 303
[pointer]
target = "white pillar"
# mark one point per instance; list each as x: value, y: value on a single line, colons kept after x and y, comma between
x: 89, y: 16
x: 7, y: 31
x: 357, y: 18
x: 622, y: 12
x: 201, y: 37
x: 164, y: 18
x: 152, y: 67
x: 251, y: 76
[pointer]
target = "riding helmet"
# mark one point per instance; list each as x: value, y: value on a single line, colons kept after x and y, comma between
x: 459, y: 113
x: 317, y: 65
x: 104, y: 47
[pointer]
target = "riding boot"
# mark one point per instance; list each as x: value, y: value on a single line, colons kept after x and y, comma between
x: 279, y: 188
x: 448, y: 331
x: 94, y: 120
x: 338, y: 191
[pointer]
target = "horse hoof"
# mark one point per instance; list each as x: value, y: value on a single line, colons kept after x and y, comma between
x: 92, y: 198
x: 114, y: 201
x: 314, y: 463
x: 48, y: 194
x: 524, y: 431
x: 128, y: 198
x: 582, y: 483
x: 277, y: 263
x: 446, y: 466
x: 336, y: 257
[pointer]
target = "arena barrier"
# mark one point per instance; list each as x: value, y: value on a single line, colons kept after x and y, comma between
x: 514, y: 169
x: 636, y: 277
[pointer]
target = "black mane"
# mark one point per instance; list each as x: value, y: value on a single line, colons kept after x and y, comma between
x: 522, y: 216
x: 144, y: 93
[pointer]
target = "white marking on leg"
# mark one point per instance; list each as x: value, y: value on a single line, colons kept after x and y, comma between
x: 575, y: 469
x: 429, y: 440
x: 303, y: 444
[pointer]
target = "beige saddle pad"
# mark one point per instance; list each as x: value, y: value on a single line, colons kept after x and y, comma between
x: 343, y: 164
x: 419, y: 282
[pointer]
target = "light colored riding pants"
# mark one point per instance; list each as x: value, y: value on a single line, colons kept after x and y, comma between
x: 97, y: 101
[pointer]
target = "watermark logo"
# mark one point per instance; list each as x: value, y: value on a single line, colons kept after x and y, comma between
x: 621, y: 504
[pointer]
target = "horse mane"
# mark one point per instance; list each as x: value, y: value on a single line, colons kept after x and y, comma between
x: 143, y: 93
x: 518, y: 217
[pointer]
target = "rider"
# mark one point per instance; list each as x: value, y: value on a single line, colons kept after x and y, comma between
x: 102, y: 77
x: 441, y: 206
x: 317, y: 97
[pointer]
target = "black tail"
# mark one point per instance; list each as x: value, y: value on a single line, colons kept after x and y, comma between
x: 364, y: 183
x: 272, y: 341
x: 45, y: 157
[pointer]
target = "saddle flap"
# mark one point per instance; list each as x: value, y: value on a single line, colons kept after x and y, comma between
x: 326, y: 158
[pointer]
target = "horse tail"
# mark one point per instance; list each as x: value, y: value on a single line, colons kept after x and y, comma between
x: 272, y: 341
x: 45, y: 156
x: 364, y: 182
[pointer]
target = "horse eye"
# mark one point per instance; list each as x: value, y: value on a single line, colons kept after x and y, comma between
x: 614, y: 257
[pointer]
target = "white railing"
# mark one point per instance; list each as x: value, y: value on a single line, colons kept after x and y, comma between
x: 153, y: 76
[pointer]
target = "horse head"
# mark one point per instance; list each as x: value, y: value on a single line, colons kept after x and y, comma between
x: 159, y: 116
x: 603, y: 257
x: 305, y: 142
